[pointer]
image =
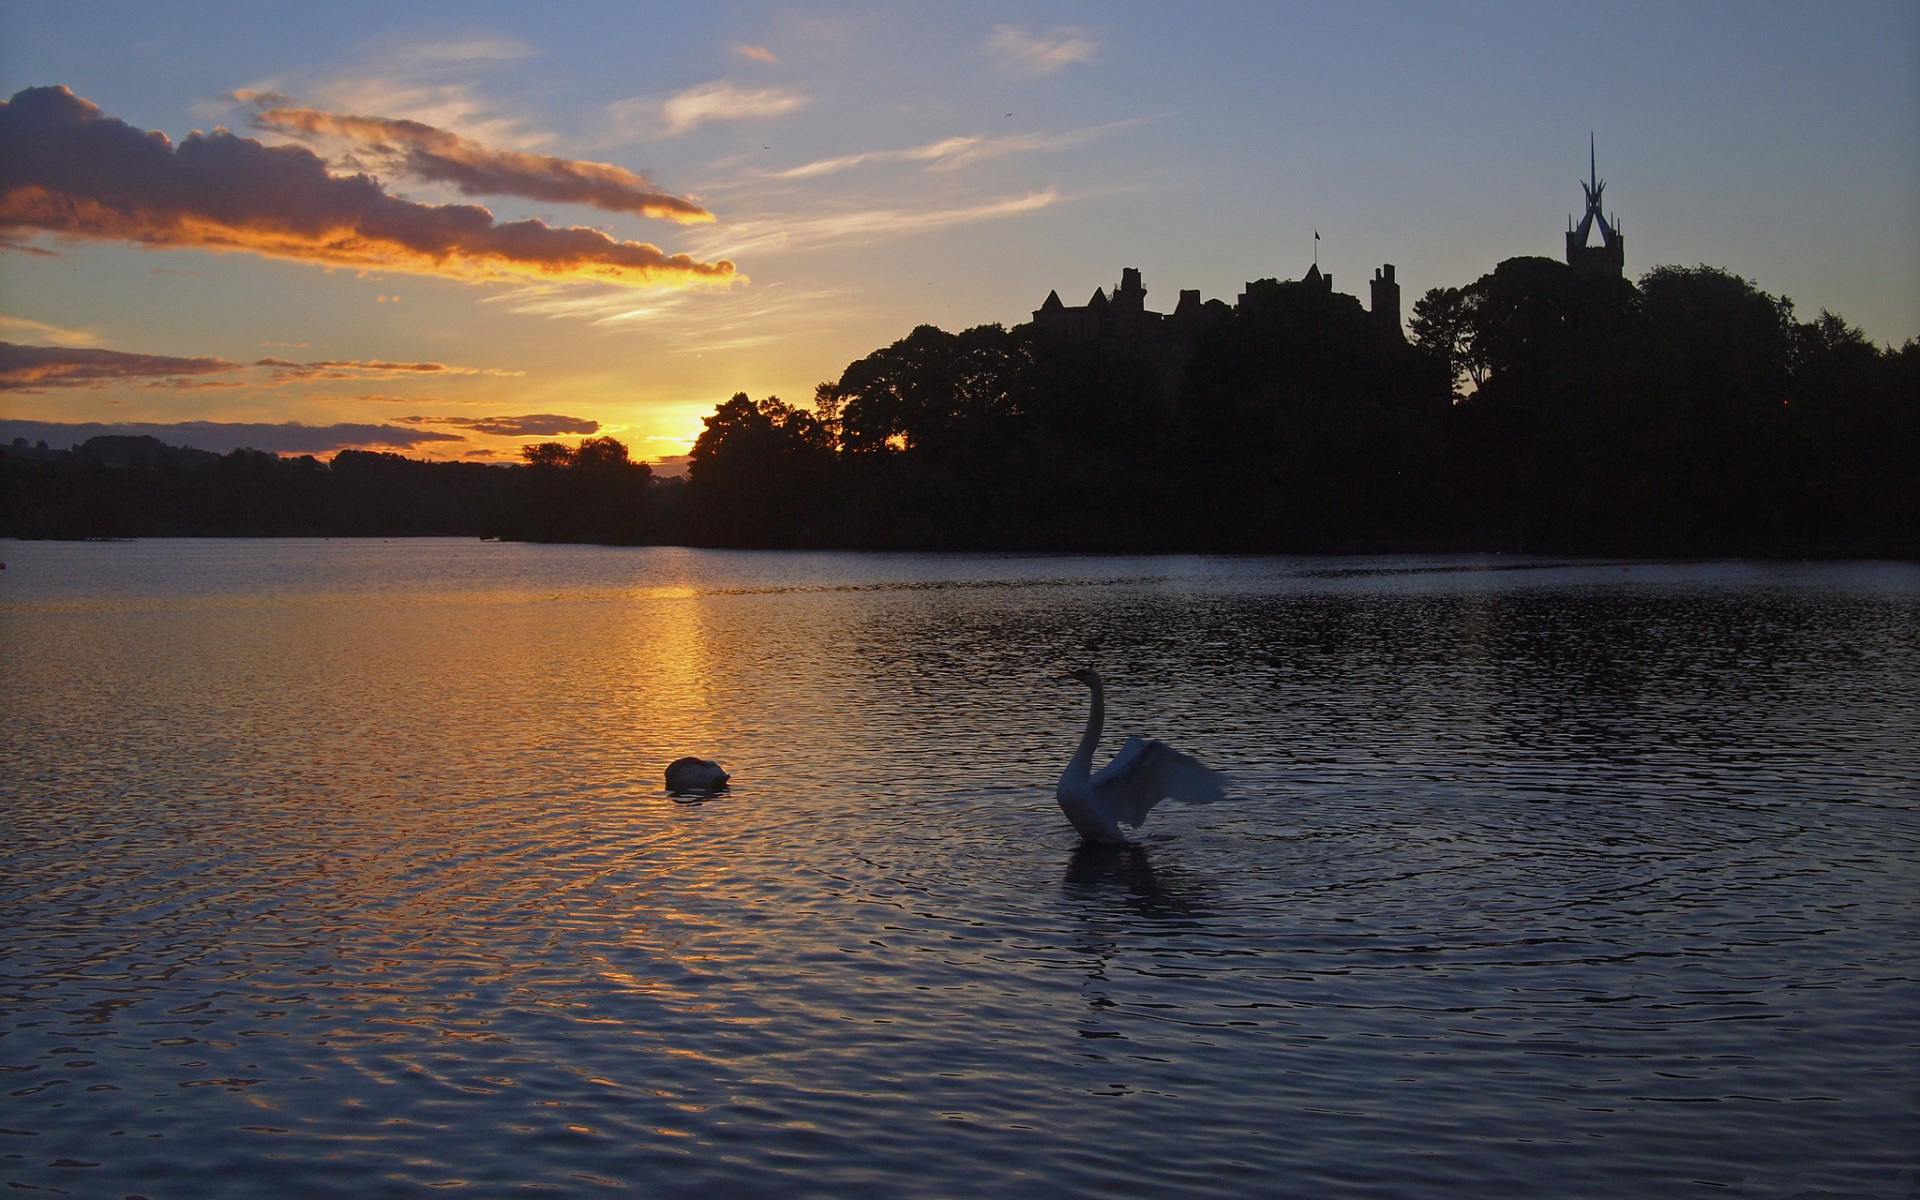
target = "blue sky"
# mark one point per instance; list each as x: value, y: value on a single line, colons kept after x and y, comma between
x: 869, y: 168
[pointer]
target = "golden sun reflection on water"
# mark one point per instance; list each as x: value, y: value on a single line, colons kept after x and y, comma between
x: 388, y: 855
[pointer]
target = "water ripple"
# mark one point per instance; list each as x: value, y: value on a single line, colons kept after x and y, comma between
x: 347, y: 870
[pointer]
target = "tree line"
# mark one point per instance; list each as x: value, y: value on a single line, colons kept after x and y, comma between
x: 1534, y: 410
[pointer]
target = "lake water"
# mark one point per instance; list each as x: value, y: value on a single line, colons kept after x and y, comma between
x: 344, y: 868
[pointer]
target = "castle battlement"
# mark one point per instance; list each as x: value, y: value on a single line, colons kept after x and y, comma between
x: 1123, y: 320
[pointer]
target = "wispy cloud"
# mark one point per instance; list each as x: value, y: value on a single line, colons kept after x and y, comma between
x: 721, y: 100
x: 951, y: 154
x: 874, y: 224
x: 751, y: 317
x: 757, y: 53
x: 1040, y: 54
x: 44, y: 332
x: 596, y: 306
x: 435, y: 81
x: 286, y: 370
x: 437, y: 155
x: 477, y: 47
x: 69, y: 170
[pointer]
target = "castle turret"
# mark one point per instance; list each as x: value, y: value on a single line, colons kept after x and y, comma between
x: 1051, y: 314
x: 1386, y: 300
x: 1131, y: 296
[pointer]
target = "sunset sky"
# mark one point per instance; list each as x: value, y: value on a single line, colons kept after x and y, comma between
x: 451, y: 229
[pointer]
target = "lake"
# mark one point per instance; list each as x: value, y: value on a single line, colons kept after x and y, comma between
x: 344, y: 868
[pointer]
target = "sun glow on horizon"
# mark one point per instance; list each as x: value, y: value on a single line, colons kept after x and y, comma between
x: 608, y: 228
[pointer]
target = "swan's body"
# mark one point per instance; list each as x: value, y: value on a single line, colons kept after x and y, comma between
x: 695, y: 775
x: 1144, y: 773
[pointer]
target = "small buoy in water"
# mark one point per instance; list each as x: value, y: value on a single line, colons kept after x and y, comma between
x: 695, y: 775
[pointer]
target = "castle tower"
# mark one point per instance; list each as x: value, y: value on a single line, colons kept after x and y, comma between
x: 1386, y: 300
x: 1609, y: 258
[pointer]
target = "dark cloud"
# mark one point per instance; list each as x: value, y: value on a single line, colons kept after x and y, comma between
x: 532, y: 425
x: 426, y: 152
x: 221, y: 436
x: 36, y: 368
x: 33, y: 368
x: 71, y: 171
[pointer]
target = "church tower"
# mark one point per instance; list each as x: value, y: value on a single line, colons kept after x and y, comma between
x: 1609, y: 258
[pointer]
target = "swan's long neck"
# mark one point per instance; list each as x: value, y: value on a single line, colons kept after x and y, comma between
x: 1081, y: 765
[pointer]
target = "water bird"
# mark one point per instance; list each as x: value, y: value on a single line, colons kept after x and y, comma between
x: 695, y: 775
x: 1144, y: 773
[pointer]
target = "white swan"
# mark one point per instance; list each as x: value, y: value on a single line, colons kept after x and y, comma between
x: 1144, y: 773
x: 695, y: 775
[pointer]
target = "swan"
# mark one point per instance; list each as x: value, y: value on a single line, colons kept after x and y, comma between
x: 695, y: 775
x: 1144, y: 773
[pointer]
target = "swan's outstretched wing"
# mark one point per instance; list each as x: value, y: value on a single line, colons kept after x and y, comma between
x: 1145, y: 772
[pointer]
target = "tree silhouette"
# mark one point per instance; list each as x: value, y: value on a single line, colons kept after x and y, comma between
x: 760, y: 474
x: 592, y: 492
x: 1691, y: 414
x: 1443, y: 326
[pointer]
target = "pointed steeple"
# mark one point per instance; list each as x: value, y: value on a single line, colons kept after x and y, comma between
x: 1610, y: 256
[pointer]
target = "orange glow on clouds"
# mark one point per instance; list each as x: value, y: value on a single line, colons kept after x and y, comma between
x: 69, y: 170
x: 426, y: 152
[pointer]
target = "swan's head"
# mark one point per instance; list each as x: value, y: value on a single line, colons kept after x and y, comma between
x: 1086, y: 675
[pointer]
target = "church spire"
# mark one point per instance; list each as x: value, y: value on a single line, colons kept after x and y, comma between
x: 1610, y: 256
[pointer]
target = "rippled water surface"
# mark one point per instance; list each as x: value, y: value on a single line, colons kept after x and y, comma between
x: 345, y: 869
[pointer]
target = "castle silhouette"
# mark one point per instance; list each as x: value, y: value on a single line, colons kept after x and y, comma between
x: 1123, y: 320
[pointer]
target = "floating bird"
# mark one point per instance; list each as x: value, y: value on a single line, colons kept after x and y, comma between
x: 1144, y: 773
x: 695, y: 775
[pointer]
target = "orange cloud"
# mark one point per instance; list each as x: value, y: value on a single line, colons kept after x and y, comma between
x: 69, y: 170
x: 426, y: 152
x: 759, y: 53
